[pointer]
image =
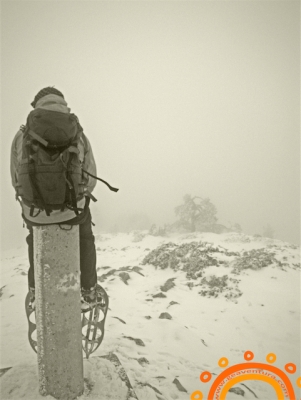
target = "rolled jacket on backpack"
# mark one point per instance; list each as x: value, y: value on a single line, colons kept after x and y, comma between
x: 54, y: 103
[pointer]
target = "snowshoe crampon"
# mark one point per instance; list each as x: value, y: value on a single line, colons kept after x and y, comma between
x: 32, y: 327
x: 93, y: 324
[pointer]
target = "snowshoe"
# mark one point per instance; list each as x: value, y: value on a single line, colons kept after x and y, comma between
x: 31, y: 317
x: 93, y: 320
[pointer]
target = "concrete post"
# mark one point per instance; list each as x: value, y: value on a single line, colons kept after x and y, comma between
x: 58, y: 314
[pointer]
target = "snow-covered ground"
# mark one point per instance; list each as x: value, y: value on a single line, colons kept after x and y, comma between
x: 190, y: 299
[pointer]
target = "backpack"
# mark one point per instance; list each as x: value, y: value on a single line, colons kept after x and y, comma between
x: 50, y: 175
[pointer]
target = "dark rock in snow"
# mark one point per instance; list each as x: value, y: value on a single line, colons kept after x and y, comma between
x: 153, y: 387
x: 138, y: 342
x: 127, y: 268
x: 243, y: 384
x: 103, y: 277
x: 165, y: 315
x: 121, y: 320
x: 1, y: 291
x: 169, y: 284
x: 137, y: 269
x: 143, y: 361
x: 238, y: 391
x: 172, y: 303
x: 179, y: 386
x: 161, y: 295
x: 124, y: 276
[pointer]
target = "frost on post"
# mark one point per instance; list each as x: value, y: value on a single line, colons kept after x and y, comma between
x: 58, y: 314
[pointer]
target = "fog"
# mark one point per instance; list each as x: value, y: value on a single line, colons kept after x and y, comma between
x: 175, y: 98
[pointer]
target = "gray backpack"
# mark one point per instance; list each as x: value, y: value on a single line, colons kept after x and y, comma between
x: 50, y: 175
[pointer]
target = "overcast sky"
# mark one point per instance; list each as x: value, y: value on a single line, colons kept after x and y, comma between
x: 176, y: 97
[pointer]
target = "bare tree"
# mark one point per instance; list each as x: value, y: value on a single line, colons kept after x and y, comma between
x: 196, y: 213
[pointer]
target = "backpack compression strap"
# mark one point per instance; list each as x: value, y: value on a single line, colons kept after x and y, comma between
x: 34, y: 185
x: 35, y: 188
x: 106, y: 183
x: 38, y: 138
x: 70, y: 185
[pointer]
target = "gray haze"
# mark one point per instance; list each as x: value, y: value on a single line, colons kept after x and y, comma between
x: 175, y: 97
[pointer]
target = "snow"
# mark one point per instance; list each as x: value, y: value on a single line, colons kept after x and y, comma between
x: 163, y: 358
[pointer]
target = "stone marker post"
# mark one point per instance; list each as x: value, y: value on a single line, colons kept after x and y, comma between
x: 58, y: 313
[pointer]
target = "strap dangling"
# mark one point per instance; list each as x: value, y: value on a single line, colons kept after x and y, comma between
x: 106, y: 183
